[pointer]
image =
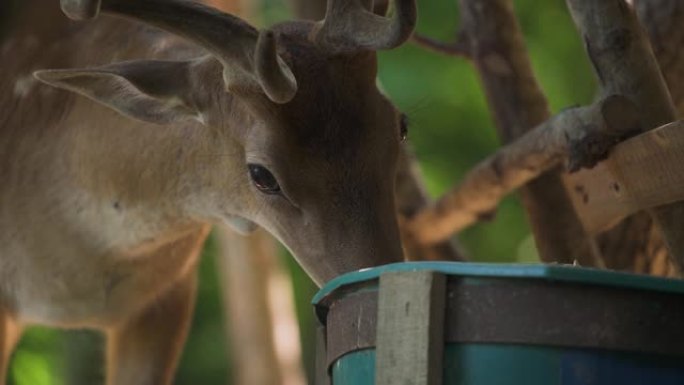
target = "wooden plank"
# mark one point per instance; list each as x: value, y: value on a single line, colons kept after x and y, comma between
x: 410, y: 329
x: 322, y: 375
x: 643, y: 172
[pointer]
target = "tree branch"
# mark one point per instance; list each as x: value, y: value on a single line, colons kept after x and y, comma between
x: 458, y: 48
x: 581, y: 135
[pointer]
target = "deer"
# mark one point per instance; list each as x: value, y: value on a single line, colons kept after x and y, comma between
x: 146, y: 122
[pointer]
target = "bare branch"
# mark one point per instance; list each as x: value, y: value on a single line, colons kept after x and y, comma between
x: 565, y: 136
x: 458, y: 48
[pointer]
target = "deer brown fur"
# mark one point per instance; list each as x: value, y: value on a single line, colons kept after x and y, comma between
x: 106, y: 199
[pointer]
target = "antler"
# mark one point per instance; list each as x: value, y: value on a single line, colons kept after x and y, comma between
x: 350, y: 26
x: 243, y: 51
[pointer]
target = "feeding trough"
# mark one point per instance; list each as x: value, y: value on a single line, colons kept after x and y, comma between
x: 481, y: 324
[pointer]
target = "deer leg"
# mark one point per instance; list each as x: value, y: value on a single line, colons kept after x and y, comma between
x: 10, y: 331
x: 146, y: 349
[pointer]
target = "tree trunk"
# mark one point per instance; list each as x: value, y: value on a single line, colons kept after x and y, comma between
x: 664, y: 23
x: 264, y: 335
x: 624, y: 64
x: 636, y: 244
x: 308, y: 9
x: 492, y: 38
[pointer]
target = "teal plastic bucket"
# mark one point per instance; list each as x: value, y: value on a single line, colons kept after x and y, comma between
x: 522, y: 325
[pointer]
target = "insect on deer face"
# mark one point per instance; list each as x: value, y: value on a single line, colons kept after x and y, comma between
x: 313, y: 142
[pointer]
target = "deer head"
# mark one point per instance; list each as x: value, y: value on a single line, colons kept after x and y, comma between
x: 315, y: 143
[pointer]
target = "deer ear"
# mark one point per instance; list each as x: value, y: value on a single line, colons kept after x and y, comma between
x: 149, y: 90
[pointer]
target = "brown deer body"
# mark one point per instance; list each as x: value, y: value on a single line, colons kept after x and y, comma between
x: 105, y: 200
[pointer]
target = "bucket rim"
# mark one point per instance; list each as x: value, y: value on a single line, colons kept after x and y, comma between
x: 549, y: 272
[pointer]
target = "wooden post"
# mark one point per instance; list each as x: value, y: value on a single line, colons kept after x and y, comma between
x: 662, y: 20
x: 410, y: 329
x: 641, y: 173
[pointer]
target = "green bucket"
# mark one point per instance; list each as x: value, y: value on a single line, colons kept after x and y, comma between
x: 503, y: 324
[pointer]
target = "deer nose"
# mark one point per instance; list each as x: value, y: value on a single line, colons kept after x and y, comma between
x: 352, y: 246
x: 375, y: 243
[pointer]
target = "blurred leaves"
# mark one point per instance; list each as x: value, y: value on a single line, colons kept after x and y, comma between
x: 38, y: 360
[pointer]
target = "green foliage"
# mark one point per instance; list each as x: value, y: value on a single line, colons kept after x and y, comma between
x: 451, y: 130
x: 38, y: 359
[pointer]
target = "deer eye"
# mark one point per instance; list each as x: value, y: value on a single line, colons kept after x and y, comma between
x: 263, y: 179
x: 403, y: 127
